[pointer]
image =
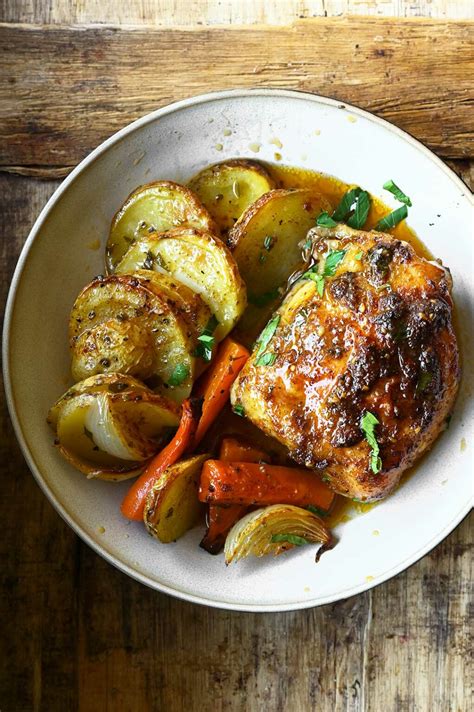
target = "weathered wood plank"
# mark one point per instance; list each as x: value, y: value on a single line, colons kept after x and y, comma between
x: 183, y: 13
x: 417, y: 74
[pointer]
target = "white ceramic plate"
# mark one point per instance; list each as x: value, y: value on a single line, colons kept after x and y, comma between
x: 57, y: 261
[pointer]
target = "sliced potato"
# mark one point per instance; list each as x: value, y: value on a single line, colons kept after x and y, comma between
x: 227, y: 189
x: 110, y: 430
x: 157, y: 206
x: 172, y: 507
x: 200, y: 261
x: 265, y: 240
x: 125, y: 324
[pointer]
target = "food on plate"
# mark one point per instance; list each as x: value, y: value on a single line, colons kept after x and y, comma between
x: 227, y: 189
x: 199, y: 260
x: 334, y: 378
x: 154, y: 207
x: 358, y: 369
x: 274, y: 530
x: 109, y: 426
x: 172, y: 507
x: 127, y: 324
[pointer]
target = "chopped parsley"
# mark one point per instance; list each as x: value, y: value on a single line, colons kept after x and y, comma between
x: 347, y: 205
x: 359, y: 256
x: 267, y: 335
x: 267, y: 359
x: 325, y: 220
x: 367, y: 425
x: 239, y: 410
x: 180, y: 374
x: 268, y: 242
x: 316, y: 510
x: 361, y: 211
x: 207, y: 340
x: 330, y: 265
x: 289, y: 539
x: 392, y: 219
x: 397, y: 192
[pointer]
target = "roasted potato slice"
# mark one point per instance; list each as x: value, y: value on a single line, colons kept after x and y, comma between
x: 265, y: 240
x: 227, y: 189
x: 124, y: 323
x: 108, y: 427
x: 157, y: 206
x: 172, y: 507
x: 199, y: 260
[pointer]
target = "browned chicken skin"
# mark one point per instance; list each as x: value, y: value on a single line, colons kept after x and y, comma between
x: 380, y: 339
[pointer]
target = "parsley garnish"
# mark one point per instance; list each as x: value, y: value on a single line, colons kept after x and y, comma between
x: 267, y: 359
x: 317, y: 278
x: 289, y: 538
x: 206, y: 340
x: 346, y: 205
x: 389, y: 221
x: 267, y: 335
x: 316, y: 510
x: 367, y: 425
x: 180, y: 374
x: 268, y: 243
x: 361, y: 211
x: 397, y: 192
x: 330, y: 264
x: 359, y: 256
x: 325, y: 220
x: 239, y: 410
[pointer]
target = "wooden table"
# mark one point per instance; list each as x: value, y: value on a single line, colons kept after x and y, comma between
x: 76, y: 633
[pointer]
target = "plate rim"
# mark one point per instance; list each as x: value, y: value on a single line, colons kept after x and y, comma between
x: 62, y: 510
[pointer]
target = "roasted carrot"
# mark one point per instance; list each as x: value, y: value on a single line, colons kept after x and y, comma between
x: 216, y: 383
x: 220, y: 520
x: 134, y: 501
x: 259, y: 484
x: 235, y: 450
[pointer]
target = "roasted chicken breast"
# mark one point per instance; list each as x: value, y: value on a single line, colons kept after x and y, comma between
x: 358, y: 369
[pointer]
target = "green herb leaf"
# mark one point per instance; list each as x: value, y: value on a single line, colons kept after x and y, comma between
x: 361, y: 211
x: 316, y: 510
x: 317, y: 278
x: 267, y: 359
x: 267, y: 334
x: 180, y: 374
x: 359, y: 256
x: 389, y: 221
x: 332, y: 260
x: 367, y: 425
x: 346, y: 205
x: 268, y: 242
x: 206, y: 340
x: 239, y: 410
x: 424, y: 381
x: 325, y: 220
x: 397, y: 192
x: 261, y: 300
x: 289, y: 538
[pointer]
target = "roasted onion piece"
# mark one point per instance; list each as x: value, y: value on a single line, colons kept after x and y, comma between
x: 200, y: 261
x: 129, y: 324
x: 109, y: 426
x: 273, y: 530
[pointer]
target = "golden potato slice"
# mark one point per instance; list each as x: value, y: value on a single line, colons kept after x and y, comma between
x: 109, y: 429
x: 157, y: 206
x: 125, y: 324
x: 200, y: 261
x: 227, y: 189
x: 172, y: 507
x: 265, y: 240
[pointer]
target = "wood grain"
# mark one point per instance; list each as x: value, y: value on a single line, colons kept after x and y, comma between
x: 79, y: 635
x: 183, y: 13
x: 66, y: 89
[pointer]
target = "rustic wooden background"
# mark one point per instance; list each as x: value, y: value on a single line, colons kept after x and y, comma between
x: 75, y: 633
